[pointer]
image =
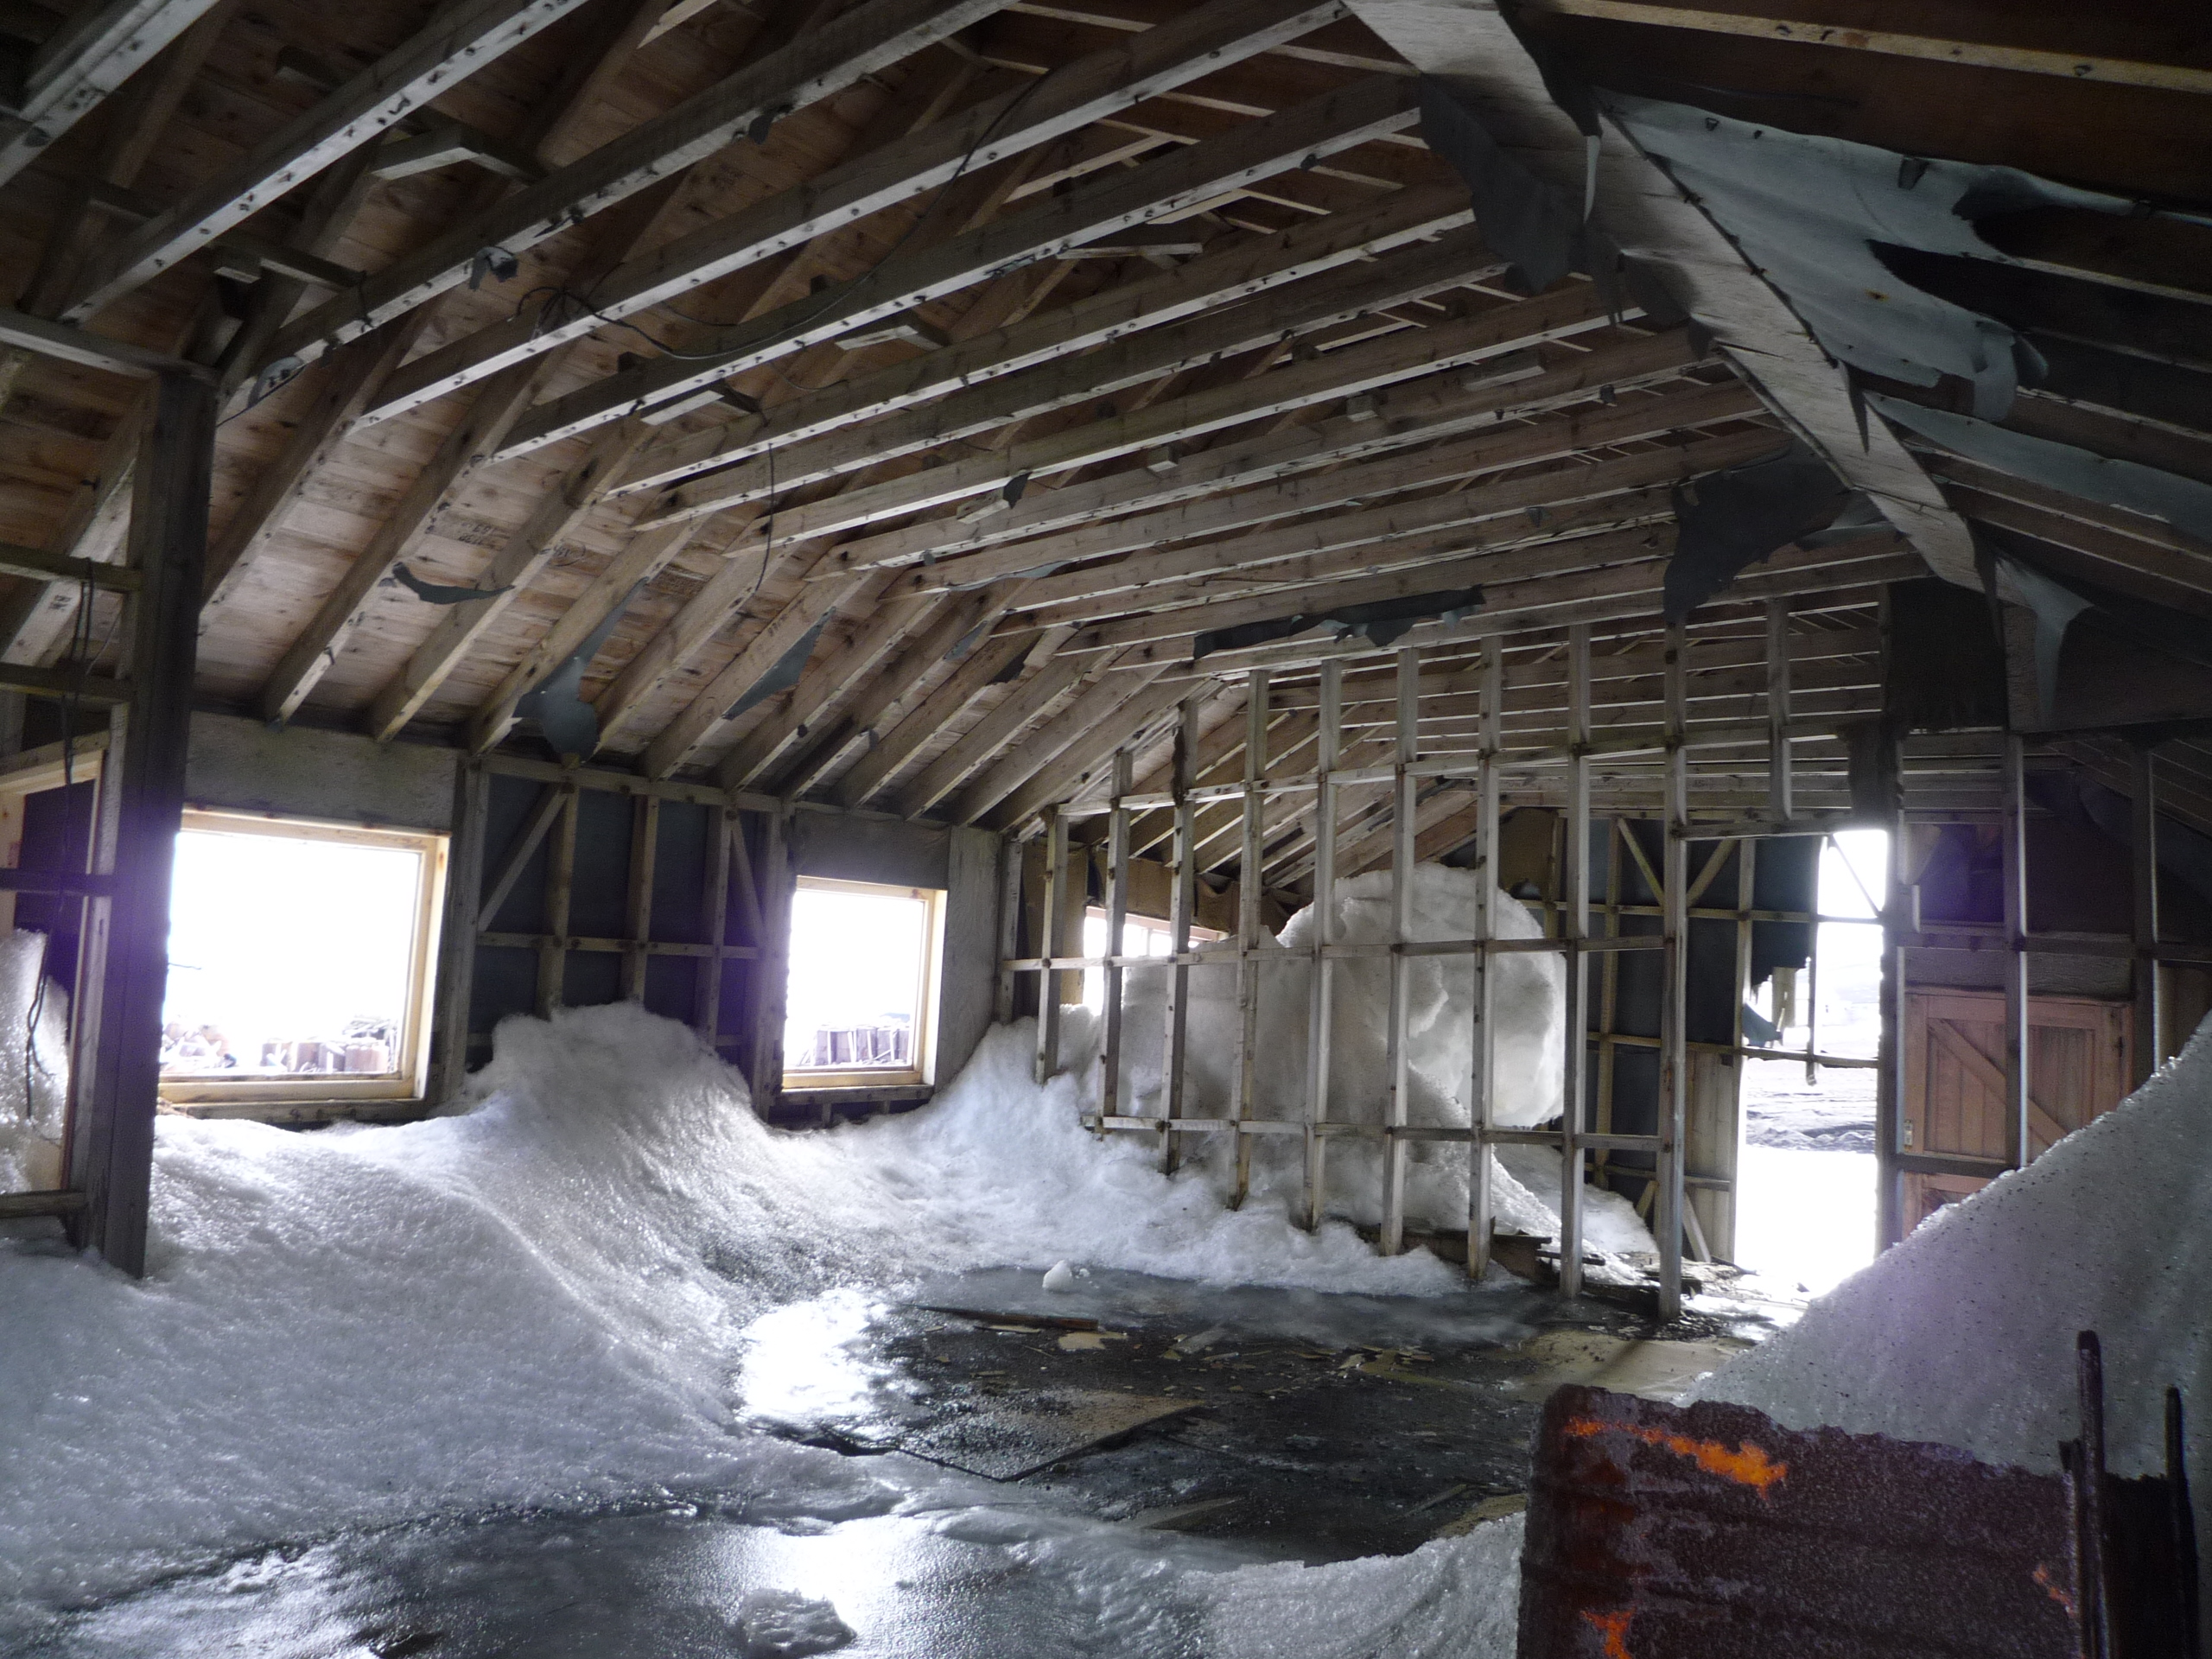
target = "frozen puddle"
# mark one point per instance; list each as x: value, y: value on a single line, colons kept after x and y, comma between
x: 675, y: 1581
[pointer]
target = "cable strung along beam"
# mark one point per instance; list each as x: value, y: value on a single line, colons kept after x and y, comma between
x: 823, y: 62
x: 1368, y: 109
x: 1071, y: 97
x: 91, y: 56
x: 458, y: 43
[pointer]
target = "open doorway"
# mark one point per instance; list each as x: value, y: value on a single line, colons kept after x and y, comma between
x: 1806, y: 1188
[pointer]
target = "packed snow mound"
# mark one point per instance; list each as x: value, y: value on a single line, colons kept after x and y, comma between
x: 540, y: 1297
x: 1528, y: 1007
x: 1964, y: 1333
x: 1453, y: 1599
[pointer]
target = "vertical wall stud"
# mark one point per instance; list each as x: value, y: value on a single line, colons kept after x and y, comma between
x: 1397, y: 1111
x: 644, y: 847
x: 723, y: 827
x: 1050, y: 943
x: 1574, y: 929
x: 1484, y: 1055
x: 1249, y: 889
x: 1011, y: 859
x: 773, y: 978
x: 2149, y: 1044
x: 1329, y: 743
x: 1674, y: 1068
x: 560, y: 881
x: 1117, y: 917
x: 111, y: 1149
x: 2016, y: 1145
x: 1780, y: 805
x: 457, y: 939
x: 1182, y: 901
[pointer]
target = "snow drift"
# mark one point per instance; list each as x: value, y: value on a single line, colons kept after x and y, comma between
x: 1964, y: 1333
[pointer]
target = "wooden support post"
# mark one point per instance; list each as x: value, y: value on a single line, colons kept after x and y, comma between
x: 1011, y: 859
x: 1779, y: 804
x: 2016, y: 1145
x: 2150, y: 1044
x: 773, y: 977
x: 457, y: 940
x: 1249, y: 891
x: 1484, y: 1066
x: 1674, y: 1060
x: 1183, y: 899
x: 1321, y: 1008
x: 644, y: 844
x: 1574, y: 928
x: 1405, y: 787
x: 560, y: 885
x: 1052, y: 944
x: 111, y: 1151
x: 723, y: 827
x: 1117, y: 916
x: 1609, y: 985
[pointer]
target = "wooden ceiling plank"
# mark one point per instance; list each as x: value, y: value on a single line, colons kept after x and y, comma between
x: 1027, y: 703
x: 944, y: 703
x: 902, y: 282
x: 429, y: 493
x: 75, y: 69
x: 888, y: 623
x: 459, y: 41
x: 560, y: 511
x: 817, y: 64
x: 1050, y: 762
x: 1243, y: 272
x: 687, y: 633
x: 1070, y: 98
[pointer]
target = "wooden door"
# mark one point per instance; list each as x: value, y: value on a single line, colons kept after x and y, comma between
x: 2078, y: 1067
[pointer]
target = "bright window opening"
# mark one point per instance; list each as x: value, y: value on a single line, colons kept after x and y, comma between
x: 1806, y: 1187
x: 1141, y: 936
x: 299, y: 960
x: 860, y: 1004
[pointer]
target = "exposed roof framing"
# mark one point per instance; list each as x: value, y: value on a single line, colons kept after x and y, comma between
x: 897, y: 400
x: 79, y: 65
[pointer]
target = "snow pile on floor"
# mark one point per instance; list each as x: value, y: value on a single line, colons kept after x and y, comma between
x: 541, y: 1299
x: 1454, y: 1599
x: 1964, y: 1333
x: 1528, y: 1008
x: 34, y: 1066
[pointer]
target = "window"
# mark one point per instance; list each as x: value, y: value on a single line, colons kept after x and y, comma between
x: 861, y: 1003
x: 299, y: 960
x: 1141, y: 936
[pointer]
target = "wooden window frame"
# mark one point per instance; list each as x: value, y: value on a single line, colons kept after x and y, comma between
x: 923, y: 1070
x: 411, y: 1078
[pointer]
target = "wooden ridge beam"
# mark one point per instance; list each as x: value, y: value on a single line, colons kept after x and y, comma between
x: 1258, y: 265
x: 1070, y: 98
x: 91, y: 55
x: 457, y: 42
x: 1185, y: 179
x: 819, y: 63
